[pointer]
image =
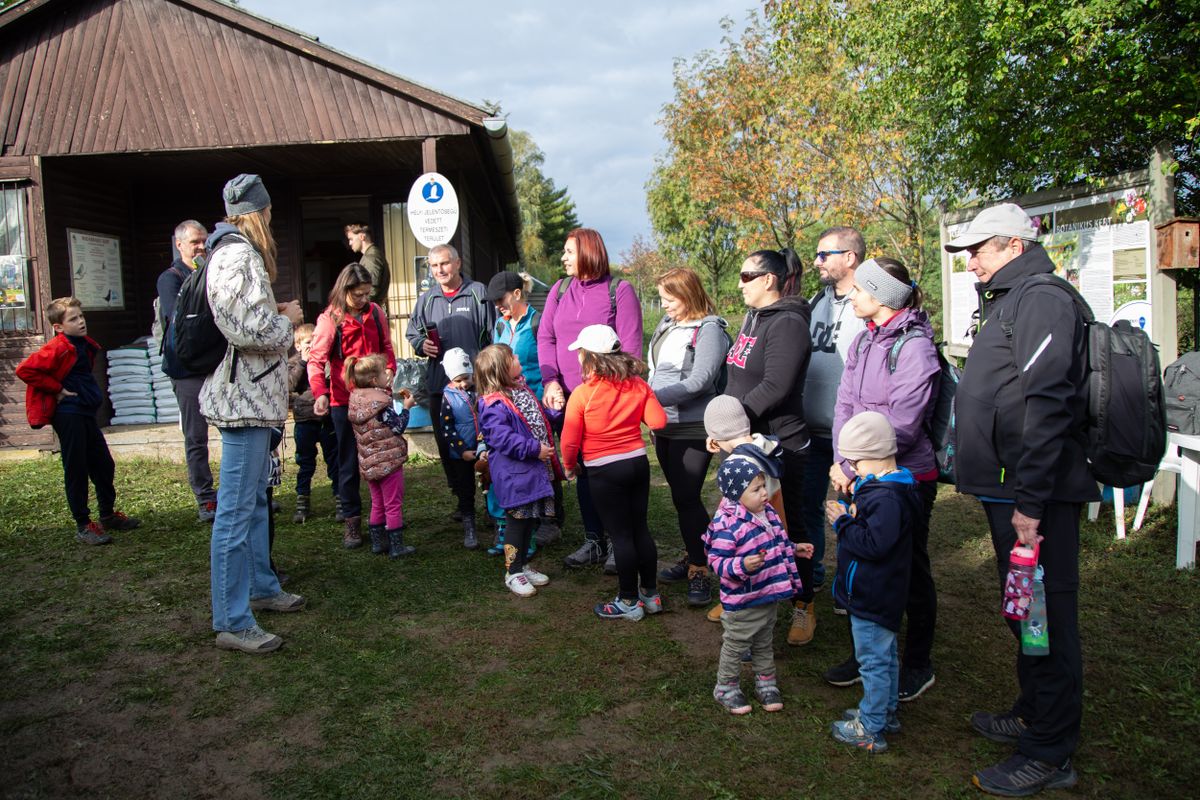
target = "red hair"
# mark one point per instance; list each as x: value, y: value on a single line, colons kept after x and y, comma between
x: 591, y: 260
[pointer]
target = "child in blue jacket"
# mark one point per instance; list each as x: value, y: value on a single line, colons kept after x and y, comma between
x: 461, y: 424
x: 874, y: 554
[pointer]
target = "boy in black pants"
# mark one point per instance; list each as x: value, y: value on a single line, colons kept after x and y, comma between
x: 61, y: 391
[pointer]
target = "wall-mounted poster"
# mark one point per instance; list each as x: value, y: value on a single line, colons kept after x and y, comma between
x: 96, y: 270
x: 12, y: 281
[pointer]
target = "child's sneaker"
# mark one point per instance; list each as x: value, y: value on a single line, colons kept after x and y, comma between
x: 767, y: 692
x: 891, y: 726
x: 852, y: 732
x: 730, y: 696
x: 92, y: 533
x: 116, y: 521
x: 207, y: 511
x: 519, y: 585
x: 497, y: 547
x: 535, y: 577
x: 651, y: 602
x: 619, y: 609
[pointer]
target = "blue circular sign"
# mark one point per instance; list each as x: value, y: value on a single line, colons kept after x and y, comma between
x: 433, y: 192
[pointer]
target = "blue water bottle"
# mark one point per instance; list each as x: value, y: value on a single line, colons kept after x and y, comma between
x: 1035, y: 631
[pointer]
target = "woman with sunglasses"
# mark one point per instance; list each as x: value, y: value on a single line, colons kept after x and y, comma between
x: 892, y: 367
x: 767, y: 367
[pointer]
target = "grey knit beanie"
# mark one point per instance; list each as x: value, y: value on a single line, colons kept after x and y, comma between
x: 724, y: 418
x: 889, y: 291
x: 245, y: 194
x: 867, y: 435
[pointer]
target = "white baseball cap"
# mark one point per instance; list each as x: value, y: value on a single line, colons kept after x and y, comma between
x: 1007, y: 219
x: 596, y: 339
x: 456, y: 362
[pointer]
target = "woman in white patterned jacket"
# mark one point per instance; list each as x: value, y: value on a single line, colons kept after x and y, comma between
x: 244, y: 398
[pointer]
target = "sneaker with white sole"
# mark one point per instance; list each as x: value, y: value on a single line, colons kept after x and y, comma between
x: 590, y: 552
x: 535, y: 577
x: 852, y: 732
x: 519, y: 585
x: 252, y: 640
x: 891, y: 724
x: 283, y: 602
x: 914, y: 682
x: 731, y: 698
x: 620, y: 609
x: 652, y: 602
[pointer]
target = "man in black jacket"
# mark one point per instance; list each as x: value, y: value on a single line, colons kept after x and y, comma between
x: 1020, y: 414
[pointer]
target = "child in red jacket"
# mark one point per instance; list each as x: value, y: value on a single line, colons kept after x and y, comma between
x: 63, y: 393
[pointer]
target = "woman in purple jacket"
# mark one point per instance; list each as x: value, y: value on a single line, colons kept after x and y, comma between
x: 892, y: 367
x: 589, y: 295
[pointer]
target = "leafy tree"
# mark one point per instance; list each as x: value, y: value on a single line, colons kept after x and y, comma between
x: 547, y: 212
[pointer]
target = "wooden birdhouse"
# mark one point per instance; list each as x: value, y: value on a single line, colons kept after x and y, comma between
x: 1179, y: 243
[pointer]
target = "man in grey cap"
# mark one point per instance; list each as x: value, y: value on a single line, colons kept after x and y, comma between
x: 1020, y: 414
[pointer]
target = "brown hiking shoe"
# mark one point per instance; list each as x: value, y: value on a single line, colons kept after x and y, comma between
x: 352, y: 538
x: 804, y: 624
x: 714, y: 613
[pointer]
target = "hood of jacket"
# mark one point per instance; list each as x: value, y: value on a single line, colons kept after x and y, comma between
x: 905, y: 320
x: 794, y: 304
x: 219, y: 232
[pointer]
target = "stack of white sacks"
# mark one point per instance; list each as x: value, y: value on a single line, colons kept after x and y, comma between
x: 166, y: 407
x: 129, y: 385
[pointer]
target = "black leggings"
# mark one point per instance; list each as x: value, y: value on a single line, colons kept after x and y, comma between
x: 621, y: 491
x: 517, y: 533
x: 792, y: 488
x: 685, y: 463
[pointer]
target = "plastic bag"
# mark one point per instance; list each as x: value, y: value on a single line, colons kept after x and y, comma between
x: 410, y: 374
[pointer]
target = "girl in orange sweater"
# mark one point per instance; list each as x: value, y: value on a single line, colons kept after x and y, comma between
x: 604, y: 417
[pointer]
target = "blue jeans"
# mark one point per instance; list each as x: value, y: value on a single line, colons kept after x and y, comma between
x: 816, y: 486
x: 879, y: 665
x: 240, y: 550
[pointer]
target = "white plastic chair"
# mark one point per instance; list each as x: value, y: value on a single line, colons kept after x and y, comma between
x: 1182, y: 457
x: 1171, y: 462
x: 1118, y: 496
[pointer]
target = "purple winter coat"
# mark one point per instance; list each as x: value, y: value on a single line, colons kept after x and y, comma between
x: 518, y: 477
x: 584, y: 303
x: 905, y: 397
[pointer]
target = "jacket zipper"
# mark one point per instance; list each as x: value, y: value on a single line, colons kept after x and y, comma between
x: 265, y: 373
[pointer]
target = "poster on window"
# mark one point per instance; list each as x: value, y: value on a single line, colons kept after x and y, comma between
x: 12, y: 282
x: 96, y: 270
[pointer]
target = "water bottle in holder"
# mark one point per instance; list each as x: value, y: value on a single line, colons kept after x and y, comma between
x: 1035, y: 633
x: 1018, y: 584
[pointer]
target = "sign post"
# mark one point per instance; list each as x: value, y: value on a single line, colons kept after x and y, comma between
x: 433, y: 209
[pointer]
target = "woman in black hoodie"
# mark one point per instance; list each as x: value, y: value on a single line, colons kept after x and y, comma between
x: 767, y: 366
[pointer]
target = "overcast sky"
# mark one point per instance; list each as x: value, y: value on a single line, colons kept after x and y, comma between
x: 586, y: 79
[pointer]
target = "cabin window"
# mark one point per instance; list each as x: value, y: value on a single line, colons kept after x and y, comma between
x: 16, y: 286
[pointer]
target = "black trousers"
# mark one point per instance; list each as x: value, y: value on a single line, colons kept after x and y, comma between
x: 308, y: 435
x: 517, y: 533
x: 1051, y: 686
x: 921, y: 608
x: 621, y: 491
x: 792, y: 488
x: 685, y: 463
x: 347, y: 451
x: 85, y: 457
x: 460, y: 475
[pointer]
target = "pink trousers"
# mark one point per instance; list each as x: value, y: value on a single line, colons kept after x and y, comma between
x: 387, y: 500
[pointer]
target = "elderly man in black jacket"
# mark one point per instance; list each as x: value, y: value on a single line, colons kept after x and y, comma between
x: 1020, y: 415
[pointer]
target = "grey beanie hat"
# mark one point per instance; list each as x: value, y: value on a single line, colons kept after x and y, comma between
x: 245, y: 194
x: 724, y: 418
x: 889, y: 291
x: 867, y: 435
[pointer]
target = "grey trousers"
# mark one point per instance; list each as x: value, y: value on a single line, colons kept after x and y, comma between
x: 195, y: 437
x: 748, y: 629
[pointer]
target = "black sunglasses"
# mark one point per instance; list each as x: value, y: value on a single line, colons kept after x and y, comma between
x: 824, y: 254
x: 749, y: 276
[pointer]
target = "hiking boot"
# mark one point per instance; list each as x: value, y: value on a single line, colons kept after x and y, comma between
x: 303, y: 509
x: 92, y: 533
x: 339, y: 511
x: 804, y: 624
x: 283, y: 602
x: 621, y: 609
x: 610, y: 563
x: 352, y: 536
x: 519, y: 585
x: 767, y: 692
x: 379, y: 539
x: 913, y: 682
x: 699, y: 593
x: 852, y: 732
x: 547, y: 533
x: 470, y: 541
x: 1004, y: 728
x: 252, y: 640
x: 538, y: 579
x: 730, y: 696
x: 652, y: 602
x: 207, y: 511
x: 890, y: 726
x: 590, y: 552
x: 396, y: 546
x: 844, y: 674
x: 116, y: 521
x: 676, y: 572
x: 715, y: 613
x: 1021, y: 776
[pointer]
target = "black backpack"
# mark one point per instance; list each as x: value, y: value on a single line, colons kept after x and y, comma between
x: 1181, y: 387
x: 940, y: 427
x: 1126, y: 431
x: 196, y: 343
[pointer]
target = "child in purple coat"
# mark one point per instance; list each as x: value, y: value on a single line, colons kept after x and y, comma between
x: 521, y: 453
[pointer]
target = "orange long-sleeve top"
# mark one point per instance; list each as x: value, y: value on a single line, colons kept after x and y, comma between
x: 605, y: 419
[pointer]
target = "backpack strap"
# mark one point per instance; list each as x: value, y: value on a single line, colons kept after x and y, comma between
x: 894, y: 353
x: 613, y: 285
x: 1048, y: 279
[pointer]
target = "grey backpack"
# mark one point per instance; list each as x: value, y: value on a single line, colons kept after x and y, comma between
x: 1181, y: 391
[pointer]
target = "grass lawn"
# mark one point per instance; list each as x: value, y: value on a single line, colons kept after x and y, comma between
x: 425, y: 678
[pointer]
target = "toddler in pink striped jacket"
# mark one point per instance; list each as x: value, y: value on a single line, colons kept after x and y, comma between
x: 749, y: 551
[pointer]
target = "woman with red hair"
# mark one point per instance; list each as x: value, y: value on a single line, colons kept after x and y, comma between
x: 588, y: 295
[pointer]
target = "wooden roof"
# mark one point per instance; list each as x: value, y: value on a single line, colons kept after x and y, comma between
x: 118, y: 76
